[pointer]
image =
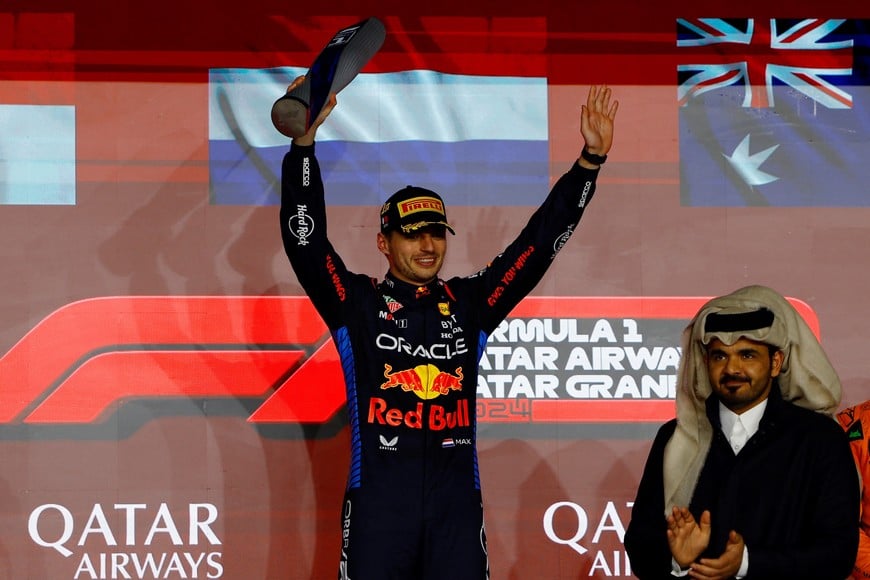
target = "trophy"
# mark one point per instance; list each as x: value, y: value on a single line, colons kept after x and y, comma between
x: 333, y: 69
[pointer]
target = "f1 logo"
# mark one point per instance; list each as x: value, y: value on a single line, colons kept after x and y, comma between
x: 343, y: 36
x: 88, y: 357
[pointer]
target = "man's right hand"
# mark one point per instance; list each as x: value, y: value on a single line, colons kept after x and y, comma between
x: 308, y: 138
x: 687, y: 538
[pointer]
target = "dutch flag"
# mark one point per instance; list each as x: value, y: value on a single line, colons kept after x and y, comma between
x: 477, y: 140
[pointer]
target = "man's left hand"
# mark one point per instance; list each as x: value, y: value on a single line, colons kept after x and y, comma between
x: 596, y: 120
x: 725, y: 566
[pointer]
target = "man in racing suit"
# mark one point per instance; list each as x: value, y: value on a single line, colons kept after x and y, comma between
x: 856, y: 422
x: 410, y: 346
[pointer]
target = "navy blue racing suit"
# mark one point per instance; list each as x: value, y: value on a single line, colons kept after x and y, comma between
x: 412, y: 508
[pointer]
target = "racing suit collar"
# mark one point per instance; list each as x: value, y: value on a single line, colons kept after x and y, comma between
x: 405, y: 291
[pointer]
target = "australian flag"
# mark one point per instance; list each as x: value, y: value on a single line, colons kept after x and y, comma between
x: 774, y: 112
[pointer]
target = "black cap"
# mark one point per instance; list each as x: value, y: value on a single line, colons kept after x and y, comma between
x: 412, y: 208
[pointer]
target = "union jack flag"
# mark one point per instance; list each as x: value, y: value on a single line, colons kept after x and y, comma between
x: 756, y: 53
x: 774, y: 112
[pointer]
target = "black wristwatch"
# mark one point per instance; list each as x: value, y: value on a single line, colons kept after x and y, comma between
x: 592, y: 157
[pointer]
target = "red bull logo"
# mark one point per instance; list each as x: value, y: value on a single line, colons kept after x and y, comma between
x: 439, y: 417
x: 426, y: 381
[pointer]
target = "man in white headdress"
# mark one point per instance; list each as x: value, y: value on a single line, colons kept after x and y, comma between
x: 754, y: 477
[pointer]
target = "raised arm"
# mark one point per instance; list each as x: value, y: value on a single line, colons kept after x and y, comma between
x: 318, y: 267
x: 518, y: 269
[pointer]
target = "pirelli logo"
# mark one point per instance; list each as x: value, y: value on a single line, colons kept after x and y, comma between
x: 422, y: 203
